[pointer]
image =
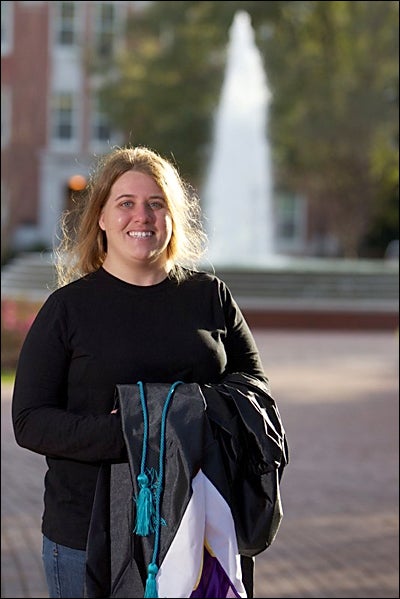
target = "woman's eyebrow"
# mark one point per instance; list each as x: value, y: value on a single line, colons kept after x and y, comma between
x: 124, y: 195
x: 154, y: 196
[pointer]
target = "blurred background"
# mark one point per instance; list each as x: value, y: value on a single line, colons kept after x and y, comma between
x: 320, y: 140
x: 284, y: 118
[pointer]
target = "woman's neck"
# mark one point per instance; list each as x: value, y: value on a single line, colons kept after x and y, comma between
x: 142, y: 275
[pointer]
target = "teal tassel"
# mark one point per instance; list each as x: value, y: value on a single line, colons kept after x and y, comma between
x: 148, y: 516
x: 151, y: 584
x: 145, y: 510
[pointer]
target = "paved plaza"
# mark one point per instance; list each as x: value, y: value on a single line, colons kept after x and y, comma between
x: 338, y: 393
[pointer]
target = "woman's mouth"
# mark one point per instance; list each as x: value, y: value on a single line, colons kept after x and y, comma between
x: 140, y: 234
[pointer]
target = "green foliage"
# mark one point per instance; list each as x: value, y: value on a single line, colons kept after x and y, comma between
x: 7, y: 377
x: 169, y: 78
x: 333, y: 67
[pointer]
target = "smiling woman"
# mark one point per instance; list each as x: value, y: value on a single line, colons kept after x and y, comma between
x: 127, y: 177
x: 132, y: 306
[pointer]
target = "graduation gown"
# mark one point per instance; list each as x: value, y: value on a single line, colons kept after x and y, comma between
x: 220, y: 450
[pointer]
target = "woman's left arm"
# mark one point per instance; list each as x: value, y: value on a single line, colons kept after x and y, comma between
x: 241, y: 349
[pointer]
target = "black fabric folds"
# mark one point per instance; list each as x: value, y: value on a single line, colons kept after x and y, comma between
x: 254, y: 448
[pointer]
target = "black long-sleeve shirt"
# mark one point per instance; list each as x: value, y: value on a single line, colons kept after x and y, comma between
x: 93, y: 334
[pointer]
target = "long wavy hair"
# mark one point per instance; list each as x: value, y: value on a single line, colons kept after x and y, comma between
x: 82, y: 244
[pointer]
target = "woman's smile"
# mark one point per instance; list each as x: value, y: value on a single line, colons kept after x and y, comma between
x: 140, y: 234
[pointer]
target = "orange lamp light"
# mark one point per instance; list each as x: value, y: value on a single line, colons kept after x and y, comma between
x: 77, y: 182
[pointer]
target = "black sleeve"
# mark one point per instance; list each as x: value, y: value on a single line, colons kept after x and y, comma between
x: 240, y: 346
x: 41, y: 420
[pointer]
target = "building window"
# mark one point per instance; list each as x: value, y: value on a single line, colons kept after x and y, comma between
x: 63, y: 117
x: 101, y: 129
x: 6, y: 28
x: 105, y: 29
x: 65, y: 24
x: 287, y: 217
x: 290, y: 220
x: 6, y: 115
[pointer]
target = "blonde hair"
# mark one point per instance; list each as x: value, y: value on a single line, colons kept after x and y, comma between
x: 83, y: 245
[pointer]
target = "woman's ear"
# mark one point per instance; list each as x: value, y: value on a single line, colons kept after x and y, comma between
x: 101, y: 222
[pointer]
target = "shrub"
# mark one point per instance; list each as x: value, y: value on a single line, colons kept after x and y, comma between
x: 17, y: 316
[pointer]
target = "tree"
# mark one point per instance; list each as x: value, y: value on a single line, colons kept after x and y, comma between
x: 164, y: 86
x: 334, y: 119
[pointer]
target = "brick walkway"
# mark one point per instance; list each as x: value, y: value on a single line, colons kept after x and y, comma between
x: 338, y: 395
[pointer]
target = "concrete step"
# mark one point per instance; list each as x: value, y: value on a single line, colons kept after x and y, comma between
x: 33, y: 274
x: 30, y: 274
x: 326, y: 280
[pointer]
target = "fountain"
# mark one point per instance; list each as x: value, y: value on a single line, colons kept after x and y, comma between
x: 273, y: 289
x: 237, y: 192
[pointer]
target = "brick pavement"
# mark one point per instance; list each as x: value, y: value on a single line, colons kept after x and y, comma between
x: 338, y: 396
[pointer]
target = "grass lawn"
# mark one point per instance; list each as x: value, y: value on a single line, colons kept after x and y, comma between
x: 7, y: 377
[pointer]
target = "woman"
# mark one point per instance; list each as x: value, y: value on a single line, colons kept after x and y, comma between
x: 130, y: 306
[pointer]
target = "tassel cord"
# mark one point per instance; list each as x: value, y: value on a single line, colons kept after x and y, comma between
x: 145, y: 511
x: 161, y: 470
x: 150, y: 590
x: 145, y: 427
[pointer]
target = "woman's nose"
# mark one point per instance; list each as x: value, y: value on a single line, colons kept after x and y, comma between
x: 142, y: 213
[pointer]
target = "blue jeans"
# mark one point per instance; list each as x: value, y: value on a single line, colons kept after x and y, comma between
x: 65, y: 570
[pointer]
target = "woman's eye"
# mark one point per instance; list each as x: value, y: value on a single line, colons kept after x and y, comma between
x: 156, y: 204
x: 126, y: 204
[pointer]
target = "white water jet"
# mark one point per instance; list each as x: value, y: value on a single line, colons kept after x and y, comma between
x: 237, y: 192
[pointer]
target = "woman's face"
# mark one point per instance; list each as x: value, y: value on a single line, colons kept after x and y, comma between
x: 136, y: 221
